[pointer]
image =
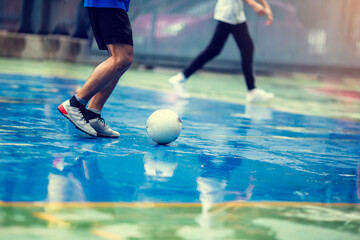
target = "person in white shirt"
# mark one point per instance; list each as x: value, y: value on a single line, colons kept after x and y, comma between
x: 231, y: 20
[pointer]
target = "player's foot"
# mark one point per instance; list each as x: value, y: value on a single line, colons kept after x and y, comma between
x: 178, y: 84
x: 258, y: 95
x: 102, y: 129
x: 76, y: 116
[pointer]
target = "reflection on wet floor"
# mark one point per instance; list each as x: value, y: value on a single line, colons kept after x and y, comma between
x: 221, y: 141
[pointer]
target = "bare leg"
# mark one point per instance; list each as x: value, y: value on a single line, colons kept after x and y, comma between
x: 99, y: 99
x: 104, y: 78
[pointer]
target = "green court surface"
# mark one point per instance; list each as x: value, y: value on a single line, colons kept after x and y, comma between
x: 179, y: 221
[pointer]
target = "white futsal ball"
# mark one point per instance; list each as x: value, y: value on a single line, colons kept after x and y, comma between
x: 163, y: 126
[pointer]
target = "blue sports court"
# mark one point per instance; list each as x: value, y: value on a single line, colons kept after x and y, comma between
x: 286, y: 169
x: 233, y: 164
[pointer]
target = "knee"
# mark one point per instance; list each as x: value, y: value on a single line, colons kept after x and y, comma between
x: 127, y: 61
x: 250, y: 46
x: 247, y: 52
x: 123, y: 62
x: 213, y: 51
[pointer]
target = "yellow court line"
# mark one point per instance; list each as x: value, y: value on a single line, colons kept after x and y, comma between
x: 106, y: 235
x: 52, y: 219
x: 164, y: 205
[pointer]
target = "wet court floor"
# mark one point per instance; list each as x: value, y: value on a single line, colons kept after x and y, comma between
x: 286, y: 170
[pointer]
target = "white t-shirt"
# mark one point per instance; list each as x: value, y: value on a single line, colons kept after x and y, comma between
x: 230, y: 11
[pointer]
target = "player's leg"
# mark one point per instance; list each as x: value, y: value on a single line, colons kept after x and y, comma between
x: 212, y: 50
x: 99, y: 86
x: 122, y: 55
x: 112, y: 31
x: 246, y: 47
x: 106, y: 74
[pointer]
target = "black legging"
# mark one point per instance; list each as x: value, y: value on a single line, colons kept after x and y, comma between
x: 243, y: 41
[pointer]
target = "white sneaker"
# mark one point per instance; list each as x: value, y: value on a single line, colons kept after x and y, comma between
x: 75, y: 116
x: 258, y: 95
x: 102, y: 129
x: 178, y: 83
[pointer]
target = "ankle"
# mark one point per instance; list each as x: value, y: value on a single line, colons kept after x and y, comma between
x: 74, y: 102
x: 182, y: 77
x: 93, y: 113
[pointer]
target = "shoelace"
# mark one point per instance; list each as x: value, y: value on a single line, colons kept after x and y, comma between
x: 103, y: 122
x: 81, y: 111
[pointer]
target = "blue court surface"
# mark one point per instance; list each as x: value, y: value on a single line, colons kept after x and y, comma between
x: 236, y: 171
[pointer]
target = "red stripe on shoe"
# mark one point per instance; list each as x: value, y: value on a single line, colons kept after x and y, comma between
x: 62, y: 109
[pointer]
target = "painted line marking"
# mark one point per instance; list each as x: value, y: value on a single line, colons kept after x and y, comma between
x: 17, y: 144
x: 51, y: 219
x: 163, y: 205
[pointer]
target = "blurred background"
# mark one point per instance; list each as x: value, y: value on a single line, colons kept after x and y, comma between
x: 306, y: 35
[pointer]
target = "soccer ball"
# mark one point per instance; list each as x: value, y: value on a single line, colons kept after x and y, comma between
x: 163, y: 126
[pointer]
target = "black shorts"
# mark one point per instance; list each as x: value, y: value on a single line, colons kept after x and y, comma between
x: 110, y: 26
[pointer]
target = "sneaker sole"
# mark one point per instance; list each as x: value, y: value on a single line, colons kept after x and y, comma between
x: 106, y: 136
x: 63, y: 111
